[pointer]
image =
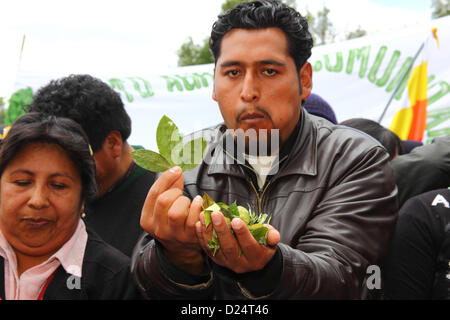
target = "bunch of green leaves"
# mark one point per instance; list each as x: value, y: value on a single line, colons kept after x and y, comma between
x: 172, y: 151
x: 255, y: 223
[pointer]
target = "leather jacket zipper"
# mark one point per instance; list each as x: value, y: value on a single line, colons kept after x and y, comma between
x: 260, y: 193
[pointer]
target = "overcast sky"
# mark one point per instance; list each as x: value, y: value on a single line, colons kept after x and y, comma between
x: 97, y: 36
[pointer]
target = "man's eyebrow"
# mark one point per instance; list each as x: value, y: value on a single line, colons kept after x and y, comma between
x: 272, y: 62
x: 229, y: 64
x: 262, y: 62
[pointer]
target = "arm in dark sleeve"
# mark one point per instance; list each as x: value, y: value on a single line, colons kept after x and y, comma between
x: 410, y: 265
x: 256, y: 284
x: 158, y: 278
x: 348, y: 231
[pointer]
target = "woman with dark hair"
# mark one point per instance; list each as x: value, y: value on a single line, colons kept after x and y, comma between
x: 47, y: 172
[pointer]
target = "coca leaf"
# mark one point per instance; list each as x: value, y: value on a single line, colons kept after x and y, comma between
x: 150, y: 160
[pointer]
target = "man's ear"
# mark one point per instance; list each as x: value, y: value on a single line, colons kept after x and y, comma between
x: 306, y: 80
x: 113, y: 143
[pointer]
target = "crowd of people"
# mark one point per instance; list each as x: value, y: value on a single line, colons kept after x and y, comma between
x: 79, y: 219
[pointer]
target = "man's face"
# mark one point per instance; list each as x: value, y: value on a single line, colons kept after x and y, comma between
x: 105, y: 167
x: 256, y: 83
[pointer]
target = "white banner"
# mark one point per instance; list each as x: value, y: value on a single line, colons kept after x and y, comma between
x: 357, y: 78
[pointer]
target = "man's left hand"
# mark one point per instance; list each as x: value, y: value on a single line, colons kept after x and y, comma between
x: 254, y: 255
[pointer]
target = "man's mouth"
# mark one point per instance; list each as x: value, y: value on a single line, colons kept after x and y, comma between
x: 252, y: 116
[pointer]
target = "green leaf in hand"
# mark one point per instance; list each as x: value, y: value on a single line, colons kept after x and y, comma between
x: 172, y: 151
x: 207, y: 213
x: 207, y: 201
x: 213, y: 243
x: 190, y: 155
x: 243, y: 214
x: 167, y: 138
x: 259, y: 232
x: 254, y: 222
x: 150, y: 160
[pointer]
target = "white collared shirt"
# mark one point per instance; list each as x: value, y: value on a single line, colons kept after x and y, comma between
x: 261, y: 165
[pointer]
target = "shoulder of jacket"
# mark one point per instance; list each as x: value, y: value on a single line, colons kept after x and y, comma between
x: 210, y: 134
x: 429, y: 206
x: 345, y: 137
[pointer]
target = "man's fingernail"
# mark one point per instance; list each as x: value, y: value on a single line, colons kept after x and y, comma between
x: 198, y: 199
x: 175, y: 169
x: 236, y: 224
x: 216, y: 219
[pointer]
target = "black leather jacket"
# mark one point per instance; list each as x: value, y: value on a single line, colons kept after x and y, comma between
x: 333, y: 200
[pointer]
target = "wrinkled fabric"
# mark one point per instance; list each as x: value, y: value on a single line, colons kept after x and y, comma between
x: 333, y: 200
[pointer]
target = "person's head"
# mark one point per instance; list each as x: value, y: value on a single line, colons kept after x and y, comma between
x: 46, y: 173
x: 317, y: 106
x: 386, y: 137
x: 101, y: 113
x: 262, y: 75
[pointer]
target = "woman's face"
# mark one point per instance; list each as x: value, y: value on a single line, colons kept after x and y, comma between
x: 40, y: 196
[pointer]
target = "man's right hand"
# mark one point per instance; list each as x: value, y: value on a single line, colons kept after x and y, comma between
x: 170, y: 217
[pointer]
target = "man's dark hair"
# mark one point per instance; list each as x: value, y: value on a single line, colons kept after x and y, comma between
x: 39, y: 128
x: 265, y: 14
x: 87, y: 100
x: 386, y: 137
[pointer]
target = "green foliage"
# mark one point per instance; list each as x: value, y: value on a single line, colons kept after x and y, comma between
x: 441, y: 8
x: 17, y: 104
x: 321, y: 27
x: 172, y: 150
x: 230, y: 4
x: 254, y: 222
x: 322, y: 30
x: 2, y: 110
x: 356, y: 34
x: 193, y: 54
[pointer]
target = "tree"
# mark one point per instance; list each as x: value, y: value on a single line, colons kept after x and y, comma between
x: 441, y: 8
x: 17, y: 104
x: 229, y: 4
x: 193, y: 54
x: 321, y: 27
x: 356, y: 34
x: 2, y: 110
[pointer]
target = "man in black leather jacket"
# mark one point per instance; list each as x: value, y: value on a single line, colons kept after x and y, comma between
x: 423, y: 169
x: 330, y: 189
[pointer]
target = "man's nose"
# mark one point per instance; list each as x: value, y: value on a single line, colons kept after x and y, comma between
x: 250, y: 88
x: 39, y: 197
